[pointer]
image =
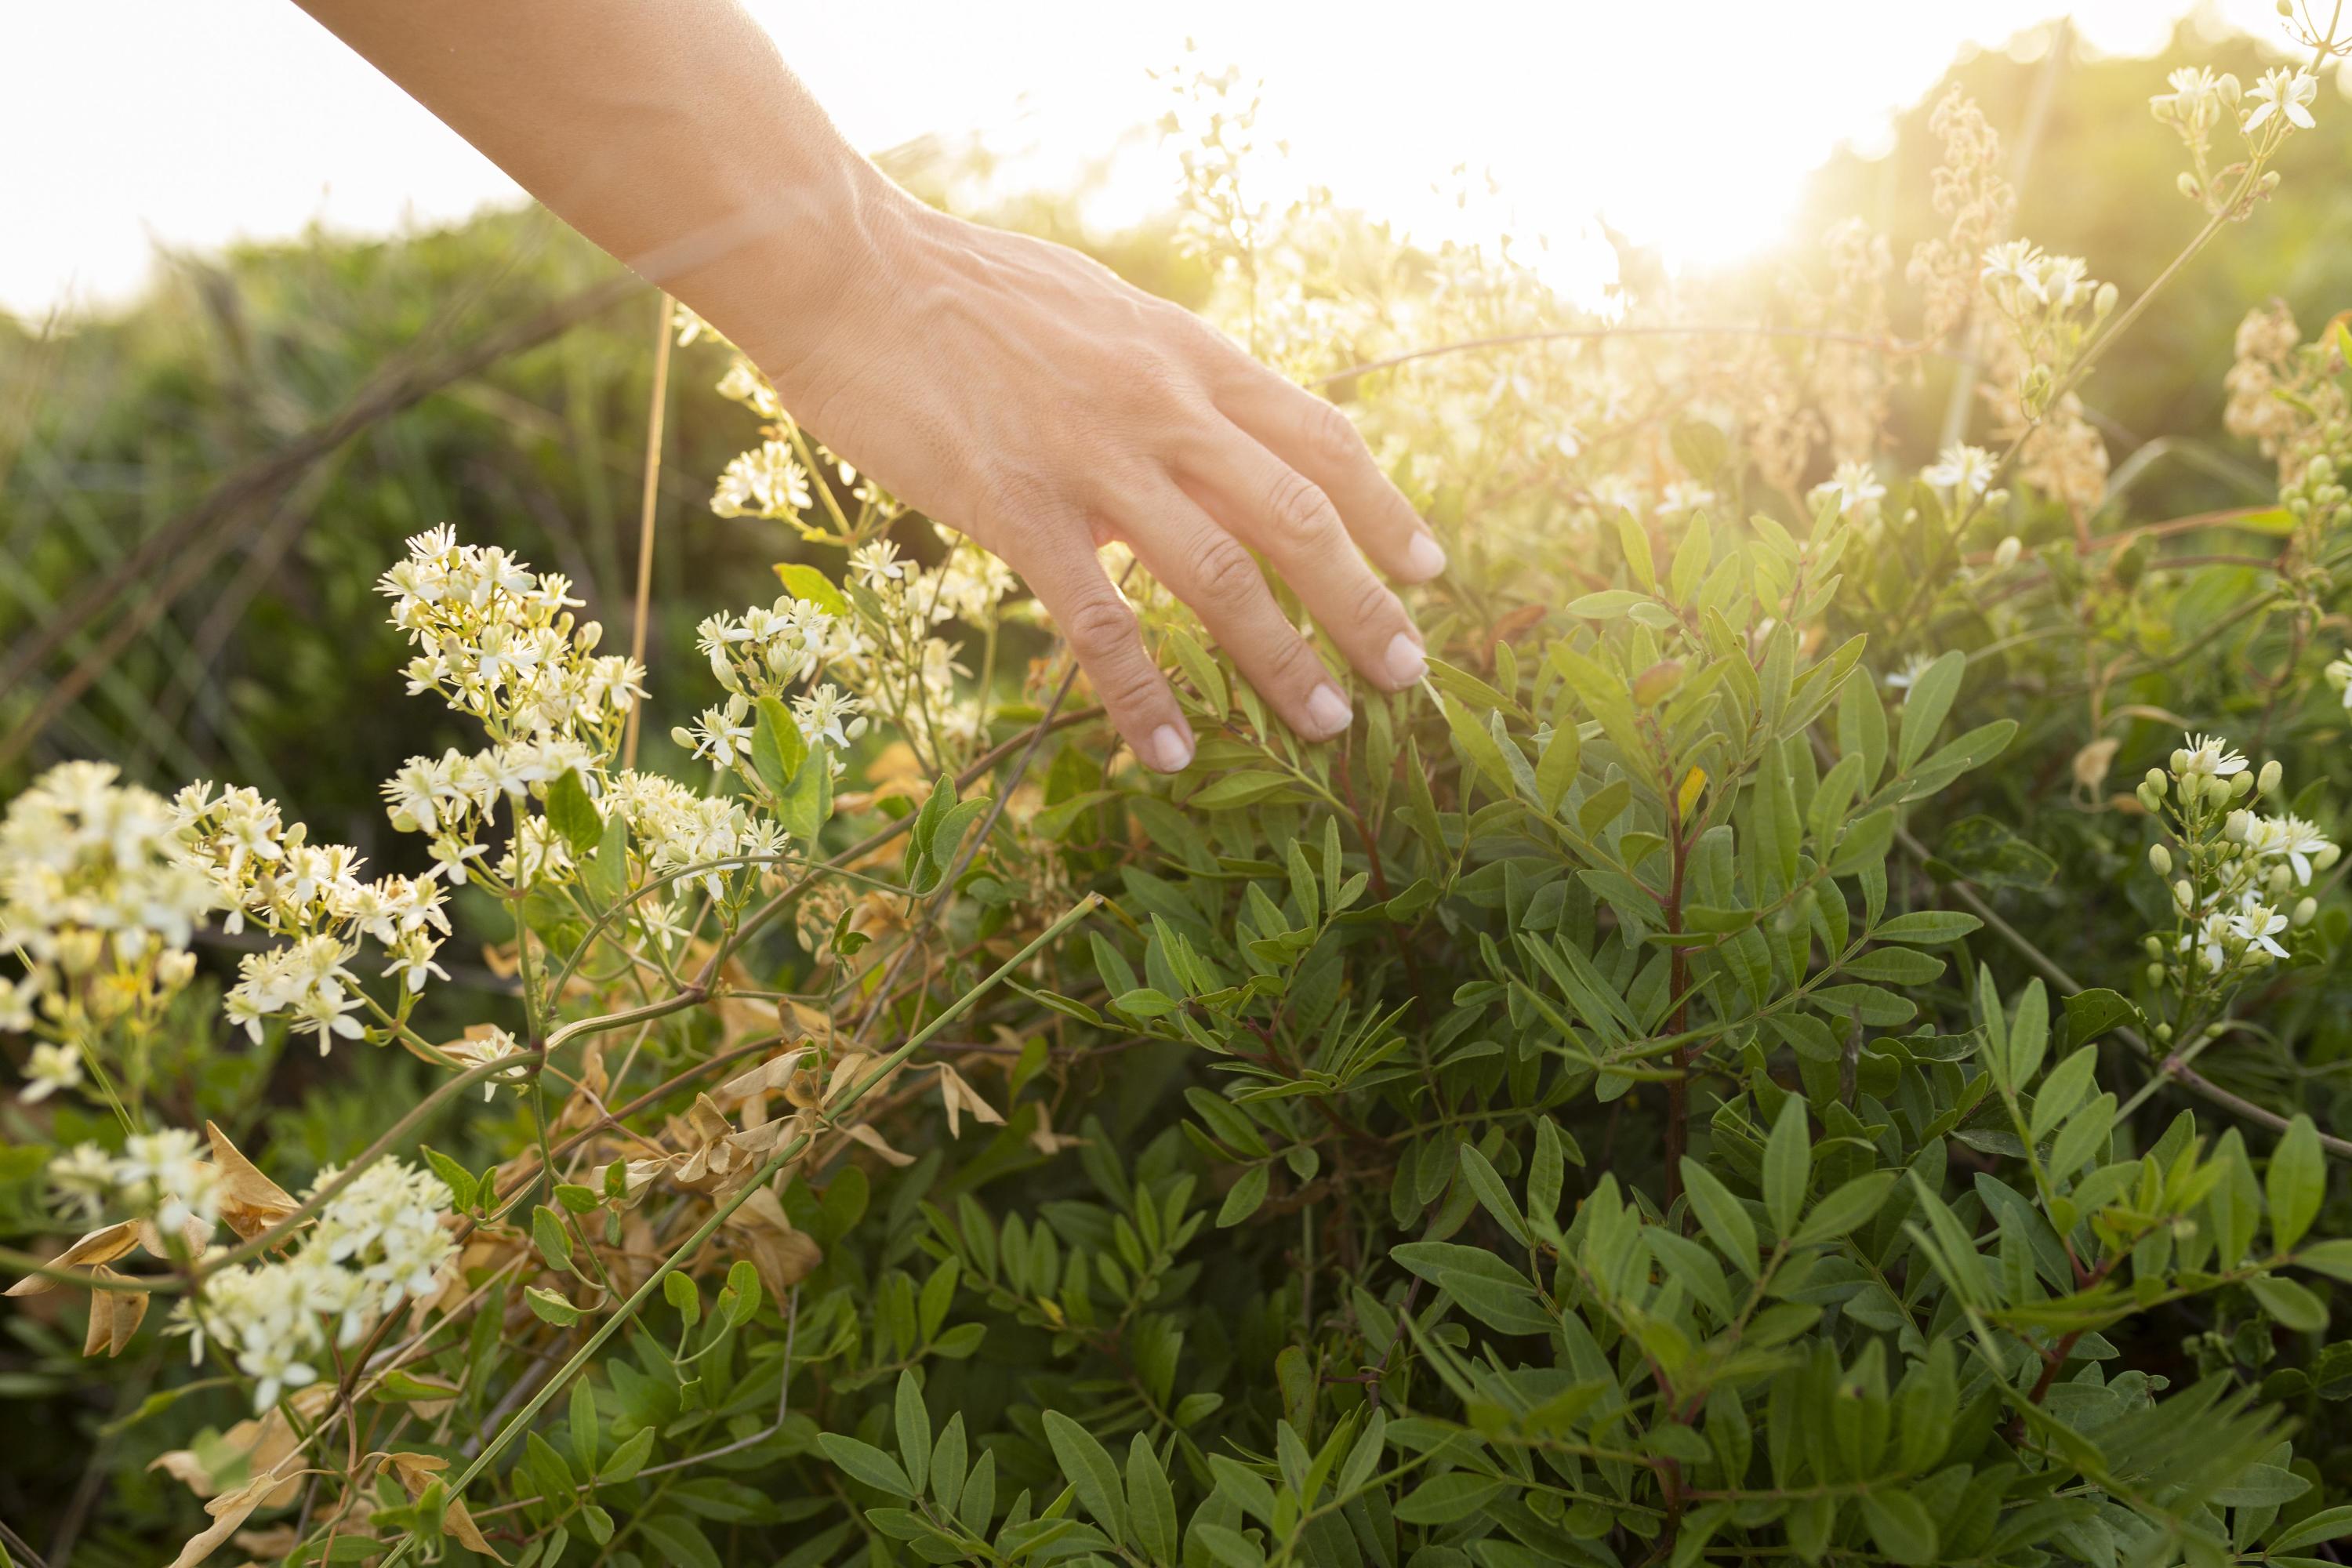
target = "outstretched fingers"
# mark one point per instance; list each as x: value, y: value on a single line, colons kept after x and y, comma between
x: 1060, y: 564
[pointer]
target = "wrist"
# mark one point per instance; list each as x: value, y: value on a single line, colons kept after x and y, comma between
x: 811, y: 255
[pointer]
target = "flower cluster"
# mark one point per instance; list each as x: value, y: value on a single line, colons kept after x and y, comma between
x: 2232, y: 871
x: 499, y: 641
x: 2200, y: 102
x: 98, y: 900
x: 378, y: 1243
x: 267, y: 873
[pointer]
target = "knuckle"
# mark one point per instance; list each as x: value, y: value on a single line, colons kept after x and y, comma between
x: 1298, y: 512
x: 1222, y: 570
x: 1327, y: 435
x: 1099, y: 628
x: 1374, y: 603
x: 1291, y: 664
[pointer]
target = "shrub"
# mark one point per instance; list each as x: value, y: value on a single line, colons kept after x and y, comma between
x: 1627, y: 1100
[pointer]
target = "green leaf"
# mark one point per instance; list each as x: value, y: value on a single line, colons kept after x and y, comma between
x: 1242, y: 1200
x: 581, y: 1418
x: 807, y: 801
x: 571, y: 814
x: 1492, y: 1194
x: 548, y: 1235
x: 741, y: 1301
x: 682, y: 1293
x: 454, y: 1176
x: 1485, y: 1287
x: 2327, y: 1524
x: 681, y: 1540
x: 1200, y: 670
x: 778, y: 748
x: 1443, y: 1499
x: 1901, y: 1525
x: 1721, y: 1216
x: 2292, y: 1305
x: 629, y: 1458
x: 1151, y: 1501
x: 808, y: 583
x: 1845, y: 1209
x: 913, y: 1426
x: 1927, y: 928
x: 1088, y: 1467
x: 551, y: 1307
x: 1924, y: 708
x: 1788, y: 1155
x: 2296, y: 1181
x: 867, y: 1463
x: 2090, y: 1014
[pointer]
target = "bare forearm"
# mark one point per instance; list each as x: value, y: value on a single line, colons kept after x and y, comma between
x: 668, y: 131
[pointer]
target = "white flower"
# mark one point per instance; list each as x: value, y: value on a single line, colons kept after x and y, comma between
x: 2207, y: 756
x: 1961, y: 468
x: 1855, y: 487
x: 2339, y: 676
x: 51, y: 1068
x: 2256, y: 923
x: 166, y: 1175
x: 84, y: 1176
x: 2283, y: 94
x: 2289, y: 838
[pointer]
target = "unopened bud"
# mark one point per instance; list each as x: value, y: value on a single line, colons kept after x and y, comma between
x: 2006, y: 552
x: 2164, y: 1031
x: 2306, y: 911
x: 2268, y: 182
x: 2327, y: 857
x: 2152, y: 946
x: 2282, y: 879
x: 2103, y: 304
x: 2189, y: 187
x: 2230, y: 88
x: 2270, y: 775
x: 2180, y: 760
x: 2242, y: 784
x: 2160, y: 859
x: 2157, y: 780
x: 2156, y: 976
x: 2183, y: 894
x: 2149, y: 801
x: 2235, y: 825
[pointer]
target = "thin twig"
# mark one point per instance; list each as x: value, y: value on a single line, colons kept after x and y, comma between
x: 657, y: 408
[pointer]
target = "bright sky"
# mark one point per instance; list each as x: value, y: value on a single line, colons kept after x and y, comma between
x: 1689, y: 125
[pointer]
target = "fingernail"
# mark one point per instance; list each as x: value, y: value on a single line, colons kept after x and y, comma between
x: 1327, y: 711
x: 1172, y: 749
x: 1407, y: 664
x: 1423, y: 558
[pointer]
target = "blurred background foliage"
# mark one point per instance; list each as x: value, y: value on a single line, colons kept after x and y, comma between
x: 252, y: 647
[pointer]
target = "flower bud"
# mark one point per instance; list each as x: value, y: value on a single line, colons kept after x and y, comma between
x: 2268, y: 182
x: 2006, y: 552
x: 2103, y: 304
x: 2307, y: 910
x: 2270, y: 775
x: 2157, y: 780
x: 2156, y: 977
x: 2184, y: 895
x: 2242, y: 786
x: 2152, y: 945
x: 2164, y: 1032
x: 2232, y: 91
x: 2282, y: 879
x: 2149, y: 800
x: 2235, y: 825
x: 2180, y: 760
x: 2189, y: 187
x: 2160, y: 859
x: 2327, y: 857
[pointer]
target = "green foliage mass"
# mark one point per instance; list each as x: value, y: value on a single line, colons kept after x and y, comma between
x: 1711, y: 1076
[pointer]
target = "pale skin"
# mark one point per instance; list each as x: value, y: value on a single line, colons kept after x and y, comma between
x: 1011, y: 388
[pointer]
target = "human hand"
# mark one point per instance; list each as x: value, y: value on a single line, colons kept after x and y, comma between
x: 1022, y: 393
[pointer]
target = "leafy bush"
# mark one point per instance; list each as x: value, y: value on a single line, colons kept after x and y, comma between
x: 1627, y: 1100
